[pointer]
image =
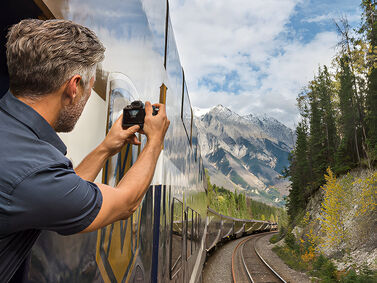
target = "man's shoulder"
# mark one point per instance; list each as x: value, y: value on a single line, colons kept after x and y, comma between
x: 23, y: 153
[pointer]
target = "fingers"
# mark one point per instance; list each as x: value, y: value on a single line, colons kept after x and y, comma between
x: 148, y: 109
x: 161, y: 107
x: 119, y: 120
x: 130, y: 135
x: 133, y: 140
x: 133, y: 129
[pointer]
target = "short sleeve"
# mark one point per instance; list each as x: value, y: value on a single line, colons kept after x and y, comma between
x: 54, y: 198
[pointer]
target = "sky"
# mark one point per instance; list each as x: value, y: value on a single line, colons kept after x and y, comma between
x: 255, y: 56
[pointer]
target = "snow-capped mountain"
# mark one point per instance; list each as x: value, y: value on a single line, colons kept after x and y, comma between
x: 245, y: 152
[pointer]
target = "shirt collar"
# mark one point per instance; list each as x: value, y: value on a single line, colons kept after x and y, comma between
x: 28, y: 116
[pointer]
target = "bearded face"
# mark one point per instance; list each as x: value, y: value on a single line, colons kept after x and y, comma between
x: 69, y: 115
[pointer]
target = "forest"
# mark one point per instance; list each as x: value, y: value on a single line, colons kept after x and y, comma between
x: 338, y: 127
x: 238, y: 205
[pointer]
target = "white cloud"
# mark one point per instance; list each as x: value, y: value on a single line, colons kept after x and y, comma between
x: 355, y: 17
x: 216, y: 38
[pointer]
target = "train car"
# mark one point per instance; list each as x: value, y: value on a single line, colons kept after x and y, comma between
x: 214, y: 229
x: 141, y: 63
x: 222, y: 228
x: 168, y: 237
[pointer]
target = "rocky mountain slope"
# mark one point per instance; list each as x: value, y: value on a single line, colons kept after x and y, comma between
x: 245, y: 152
x: 349, y: 239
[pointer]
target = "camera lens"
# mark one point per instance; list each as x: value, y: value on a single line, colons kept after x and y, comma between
x: 137, y: 103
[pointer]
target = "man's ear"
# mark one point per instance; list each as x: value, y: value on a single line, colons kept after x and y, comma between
x: 72, y: 89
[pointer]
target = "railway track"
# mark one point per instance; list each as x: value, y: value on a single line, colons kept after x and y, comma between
x: 249, y: 266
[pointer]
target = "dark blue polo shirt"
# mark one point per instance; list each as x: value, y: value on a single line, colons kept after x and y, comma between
x: 39, y: 190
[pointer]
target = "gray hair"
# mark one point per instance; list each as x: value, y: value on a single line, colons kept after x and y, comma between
x: 42, y: 55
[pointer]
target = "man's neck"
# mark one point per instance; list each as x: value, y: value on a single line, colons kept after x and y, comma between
x: 48, y: 106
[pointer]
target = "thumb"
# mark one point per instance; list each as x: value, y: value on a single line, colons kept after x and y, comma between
x: 133, y: 129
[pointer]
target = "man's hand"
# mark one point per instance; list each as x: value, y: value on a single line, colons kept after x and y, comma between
x: 121, y: 202
x: 155, y: 127
x: 117, y: 137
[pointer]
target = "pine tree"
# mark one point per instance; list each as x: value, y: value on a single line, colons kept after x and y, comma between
x: 348, y: 153
x: 370, y: 30
x: 326, y: 93
x: 299, y: 172
x: 351, y: 61
x: 316, y: 148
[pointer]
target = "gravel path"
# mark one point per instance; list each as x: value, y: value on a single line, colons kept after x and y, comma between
x: 264, y: 249
x: 218, y: 267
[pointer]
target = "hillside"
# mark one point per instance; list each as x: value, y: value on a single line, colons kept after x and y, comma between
x: 247, y: 153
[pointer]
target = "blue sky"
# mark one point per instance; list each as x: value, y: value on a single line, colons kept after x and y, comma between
x: 312, y: 17
x: 255, y: 56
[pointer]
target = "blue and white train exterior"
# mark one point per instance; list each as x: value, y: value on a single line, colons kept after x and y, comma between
x: 168, y: 237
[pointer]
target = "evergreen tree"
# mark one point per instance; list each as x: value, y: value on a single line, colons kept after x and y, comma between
x: 348, y: 153
x: 339, y: 118
x: 316, y: 148
x: 299, y: 173
x: 370, y: 30
x: 326, y: 93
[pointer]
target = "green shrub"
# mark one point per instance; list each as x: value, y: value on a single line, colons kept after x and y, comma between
x: 324, y: 269
x: 291, y: 258
x: 366, y: 276
x: 290, y: 241
x: 275, y: 238
x: 319, y: 262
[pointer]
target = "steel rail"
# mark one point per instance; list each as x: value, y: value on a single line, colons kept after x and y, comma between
x: 244, y: 263
x: 261, y: 258
x: 233, y: 256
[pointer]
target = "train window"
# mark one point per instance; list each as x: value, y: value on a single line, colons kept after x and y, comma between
x: 194, y: 140
x: 196, y: 234
x: 197, y: 224
x: 186, y: 112
x: 176, y: 239
x: 189, y: 230
x: 121, y: 92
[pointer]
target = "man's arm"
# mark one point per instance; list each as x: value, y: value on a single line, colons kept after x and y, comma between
x: 120, y: 202
x: 89, y: 168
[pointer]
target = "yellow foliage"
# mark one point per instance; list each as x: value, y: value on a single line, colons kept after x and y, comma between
x: 309, y: 255
x: 272, y: 218
x: 332, y: 221
x: 305, y: 220
x: 367, y: 200
x: 312, y: 239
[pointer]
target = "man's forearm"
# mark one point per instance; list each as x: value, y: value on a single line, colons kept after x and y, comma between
x: 89, y: 168
x: 138, y: 178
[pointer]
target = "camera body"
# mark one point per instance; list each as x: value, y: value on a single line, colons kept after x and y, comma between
x: 134, y: 114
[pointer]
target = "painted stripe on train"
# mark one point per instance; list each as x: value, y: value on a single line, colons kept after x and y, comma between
x: 156, y: 232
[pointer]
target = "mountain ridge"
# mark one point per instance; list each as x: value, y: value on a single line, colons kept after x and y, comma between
x: 247, y: 153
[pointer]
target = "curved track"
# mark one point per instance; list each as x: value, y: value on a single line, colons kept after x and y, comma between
x: 249, y: 266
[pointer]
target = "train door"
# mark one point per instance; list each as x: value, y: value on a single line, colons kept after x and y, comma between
x: 11, y: 13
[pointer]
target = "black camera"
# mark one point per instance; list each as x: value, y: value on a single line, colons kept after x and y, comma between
x: 134, y: 114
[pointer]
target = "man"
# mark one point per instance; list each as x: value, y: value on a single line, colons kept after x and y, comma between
x: 51, y: 68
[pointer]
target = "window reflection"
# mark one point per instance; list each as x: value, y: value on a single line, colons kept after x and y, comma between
x: 189, y: 232
x: 186, y: 114
x: 176, y: 239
